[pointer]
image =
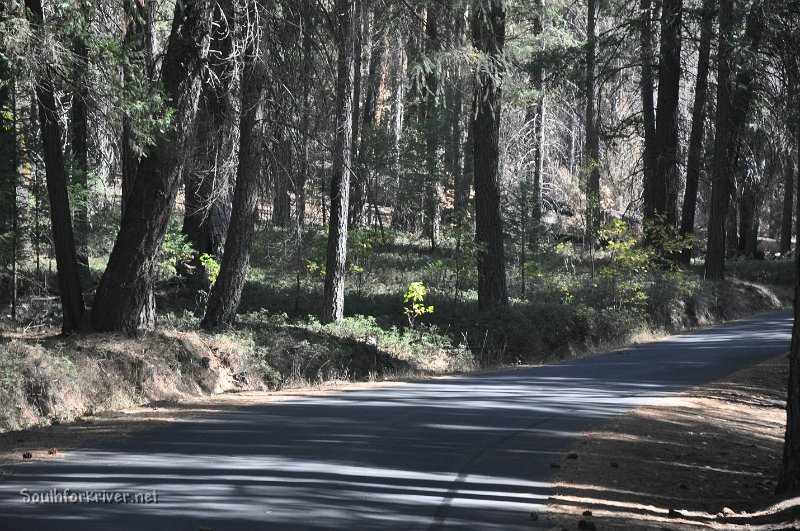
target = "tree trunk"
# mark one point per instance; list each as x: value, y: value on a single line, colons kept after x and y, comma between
x: 788, y: 200
x: 537, y: 115
x: 69, y: 282
x: 305, y: 120
x: 139, y: 38
x: 360, y: 179
x: 124, y: 299
x: 455, y: 146
x: 648, y: 106
x: 662, y: 203
x: 789, y: 480
x: 488, y: 34
x: 592, y: 157
x: 694, y: 163
x: 433, y: 186
x: 715, y: 253
x: 281, y: 203
x: 336, y: 256
x: 226, y: 293
x: 80, y: 158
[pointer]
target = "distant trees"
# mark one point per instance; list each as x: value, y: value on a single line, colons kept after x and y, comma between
x: 424, y: 121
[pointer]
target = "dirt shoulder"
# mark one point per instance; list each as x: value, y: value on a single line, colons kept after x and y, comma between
x: 708, y: 458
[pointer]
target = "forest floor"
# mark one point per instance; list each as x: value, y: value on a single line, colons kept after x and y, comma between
x: 708, y: 458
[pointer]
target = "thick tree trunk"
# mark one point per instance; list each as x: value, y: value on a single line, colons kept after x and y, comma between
x: 694, y: 162
x: 336, y: 257
x: 69, y: 283
x: 226, y: 293
x: 124, y: 299
x: 592, y: 148
x: 662, y: 203
x: 648, y: 105
x: 488, y: 36
x: 788, y: 200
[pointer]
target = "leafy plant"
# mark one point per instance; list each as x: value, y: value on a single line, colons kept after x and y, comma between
x: 414, y: 300
x: 175, y: 250
x: 211, y: 267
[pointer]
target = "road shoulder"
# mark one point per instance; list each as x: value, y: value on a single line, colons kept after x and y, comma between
x: 707, y: 458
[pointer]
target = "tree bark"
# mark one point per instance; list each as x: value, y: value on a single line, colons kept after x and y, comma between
x: 694, y: 162
x: 488, y: 35
x: 124, y: 299
x: 662, y: 203
x: 336, y: 256
x: 69, y: 282
x: 226, y: 294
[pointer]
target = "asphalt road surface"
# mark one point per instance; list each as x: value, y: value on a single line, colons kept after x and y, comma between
x: 469, y: 452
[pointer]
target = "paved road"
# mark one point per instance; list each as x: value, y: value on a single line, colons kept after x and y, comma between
x: 463, y: 453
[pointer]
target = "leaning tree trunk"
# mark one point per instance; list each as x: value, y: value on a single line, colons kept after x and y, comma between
x: 69, y: 282
x: 336, y: 256
x: 664, y: 189
x: 488, y: 37
x: 694, y: 162
x: 124, y: 299
x: 227, y: 290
